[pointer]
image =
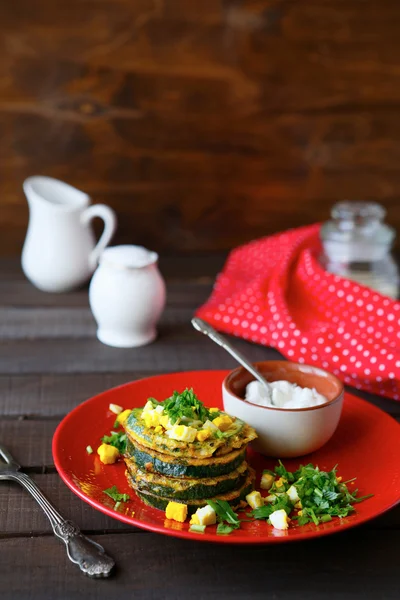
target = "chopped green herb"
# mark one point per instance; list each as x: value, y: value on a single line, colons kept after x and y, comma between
x: 89, y: 449
x: 224, y: 529
x: 116, y: 439
x: 321, y: 495
x: 197, y: 528
x: 184, y: 404
x: 116, y: 424
x: 225, y: 512
x: 116, y: 495
x: 117, y: 505
x: 228, y: 519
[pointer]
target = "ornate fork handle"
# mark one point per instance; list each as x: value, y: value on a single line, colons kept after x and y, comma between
x: 84, y: 552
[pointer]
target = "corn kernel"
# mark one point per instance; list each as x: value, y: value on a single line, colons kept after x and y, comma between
x: 122, y: 417
x: 203, y: 434
x: 176, y: 511
x: 108, y: 454
x: 223, y: 422
x: 211, y: 410
x: 158, y: 429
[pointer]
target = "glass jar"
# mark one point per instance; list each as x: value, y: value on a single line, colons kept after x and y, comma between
x: 357, y: 246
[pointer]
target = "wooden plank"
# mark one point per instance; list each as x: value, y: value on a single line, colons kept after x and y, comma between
x: 20, y: 515
x: 29, y: 441
x: 256, y: 114
x: 44, y: 395
x: 194, y: 271
x: 178, y: 348
x: 68, y: 323
x: 151, y: 567
x: 53, y: 396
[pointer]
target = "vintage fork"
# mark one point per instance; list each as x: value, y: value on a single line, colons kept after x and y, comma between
x: 84, y: 552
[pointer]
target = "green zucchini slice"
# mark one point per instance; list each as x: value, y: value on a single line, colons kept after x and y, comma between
x: 185, y: 489
x: 165, y: 464
x: 234, y: 497
x: 146, y: 436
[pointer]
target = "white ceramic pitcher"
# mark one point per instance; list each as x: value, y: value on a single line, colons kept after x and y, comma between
x: 60, y: 252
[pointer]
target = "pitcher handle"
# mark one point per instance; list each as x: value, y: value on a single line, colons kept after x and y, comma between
x: 110, y: 223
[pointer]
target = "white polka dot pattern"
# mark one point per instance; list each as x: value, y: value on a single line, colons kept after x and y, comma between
x: 274, y: 292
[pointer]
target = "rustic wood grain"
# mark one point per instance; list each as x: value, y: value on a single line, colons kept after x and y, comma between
x: 52, y: 396
x: 20, y: 515
x: 152, y: 567
x: 179, y: 348
x: 42, y: 378
x: 204, y: 124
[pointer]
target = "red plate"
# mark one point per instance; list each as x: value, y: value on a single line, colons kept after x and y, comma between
x: 366, y: 445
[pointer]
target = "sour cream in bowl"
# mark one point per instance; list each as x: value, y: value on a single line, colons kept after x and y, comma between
x: 296, y: 416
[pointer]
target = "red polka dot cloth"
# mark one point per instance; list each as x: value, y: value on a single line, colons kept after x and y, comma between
x: 274, y: 292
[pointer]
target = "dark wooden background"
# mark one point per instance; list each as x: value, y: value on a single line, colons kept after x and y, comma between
x: 204, y: 123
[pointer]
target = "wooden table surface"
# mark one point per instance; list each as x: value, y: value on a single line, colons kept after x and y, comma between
x: 50, y: 361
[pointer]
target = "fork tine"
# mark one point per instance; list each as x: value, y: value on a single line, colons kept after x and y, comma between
x: 6, y: 456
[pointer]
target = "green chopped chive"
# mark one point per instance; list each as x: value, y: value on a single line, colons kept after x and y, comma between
x: 325, y: 518
x: 117, y: 505
x: 322, y: 496
x: 115, y: 495
x: 197, y: 528
x: 116, y: 439
x: 89, y: 449
x: 116, y: 424
x: 224, y: 529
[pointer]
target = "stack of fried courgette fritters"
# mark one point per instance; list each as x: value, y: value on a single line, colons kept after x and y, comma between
x: 161, y: 470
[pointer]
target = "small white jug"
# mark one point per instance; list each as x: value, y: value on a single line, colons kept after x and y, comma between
x: 127, y: 296
x: 60, y: 251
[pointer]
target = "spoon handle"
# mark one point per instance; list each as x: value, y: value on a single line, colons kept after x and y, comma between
x: 87, y: 554
x: 207, y: 329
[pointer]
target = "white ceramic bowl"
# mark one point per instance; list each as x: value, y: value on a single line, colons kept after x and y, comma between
x: 286, y: 433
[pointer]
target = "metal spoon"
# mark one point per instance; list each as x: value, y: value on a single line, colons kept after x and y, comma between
x: 205, y: 328
x: 84, y: 552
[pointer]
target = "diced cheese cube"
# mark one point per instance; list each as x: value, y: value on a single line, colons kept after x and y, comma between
x: 152, y: 418
x: 206, y: 515
x: 279, y: 519
x: 182, y: 433
x: 203, y: 434
x: 223, y: 422
x: 115, y: 409
x: 108, y: 454
x: 266, y: 481
x: 254, y: 499
x: 293, y: 495
x: 210, y: 425
x: 122, y: 417
x: 165, y: 422
x: 176, y: 511
x: 148, y: 406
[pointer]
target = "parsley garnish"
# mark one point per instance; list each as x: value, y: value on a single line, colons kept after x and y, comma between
x: 225, y: 513
x: 116, y: 495
x: 116, y: 439
x: 321, y: 495
x: 185, y: 404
